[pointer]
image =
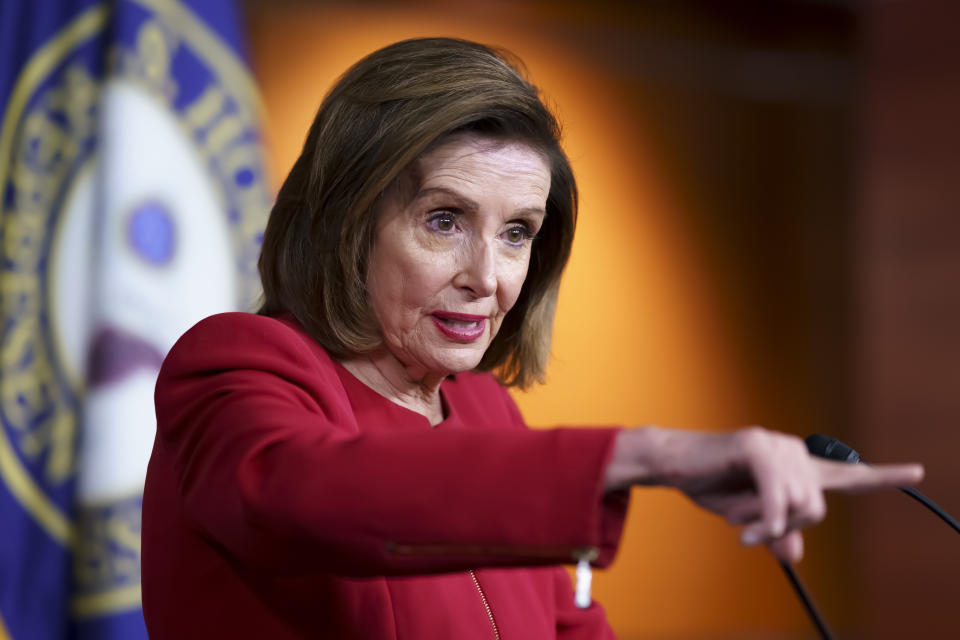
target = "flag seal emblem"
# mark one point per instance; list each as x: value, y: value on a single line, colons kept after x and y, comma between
x: 60, y: 206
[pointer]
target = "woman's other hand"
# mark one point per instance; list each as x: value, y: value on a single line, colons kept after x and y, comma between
x: 761, y: 480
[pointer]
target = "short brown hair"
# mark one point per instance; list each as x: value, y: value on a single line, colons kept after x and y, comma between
x: 382, y: 114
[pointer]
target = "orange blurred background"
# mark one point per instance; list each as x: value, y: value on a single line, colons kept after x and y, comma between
x: 725, y: 153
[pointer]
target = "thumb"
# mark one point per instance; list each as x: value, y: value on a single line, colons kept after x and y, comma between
x: 788, y: 548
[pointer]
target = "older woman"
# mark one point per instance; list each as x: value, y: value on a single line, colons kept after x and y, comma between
x: 348, y: 463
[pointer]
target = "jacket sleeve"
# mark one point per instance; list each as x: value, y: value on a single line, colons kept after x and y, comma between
x: 268, y: 464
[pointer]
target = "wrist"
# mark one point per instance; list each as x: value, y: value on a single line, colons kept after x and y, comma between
x: 636, y: 456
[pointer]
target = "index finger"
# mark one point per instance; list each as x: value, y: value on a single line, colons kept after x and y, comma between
x: 845, y: 476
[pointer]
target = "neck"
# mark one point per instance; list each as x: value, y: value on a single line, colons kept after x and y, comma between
x: 383, y: 373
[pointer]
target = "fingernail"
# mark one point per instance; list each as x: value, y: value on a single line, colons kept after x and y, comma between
x: 750, y: 538
x: 778, y: 529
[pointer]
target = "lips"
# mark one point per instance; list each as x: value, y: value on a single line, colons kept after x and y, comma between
x: 460, y: 327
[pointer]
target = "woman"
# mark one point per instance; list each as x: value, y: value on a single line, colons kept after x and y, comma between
x: 341, y: 466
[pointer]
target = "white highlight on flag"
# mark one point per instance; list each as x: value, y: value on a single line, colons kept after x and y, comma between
x: 152, y: 281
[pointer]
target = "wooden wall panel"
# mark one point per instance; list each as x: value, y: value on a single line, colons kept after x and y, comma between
x: 908, y: 275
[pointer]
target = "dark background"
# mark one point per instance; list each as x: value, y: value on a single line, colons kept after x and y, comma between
x: 815, y: 150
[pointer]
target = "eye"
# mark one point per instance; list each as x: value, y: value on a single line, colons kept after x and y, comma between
x: 443, y: 221
x: 517, y: 235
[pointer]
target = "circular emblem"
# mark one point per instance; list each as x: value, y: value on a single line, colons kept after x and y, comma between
x: 133, y: 201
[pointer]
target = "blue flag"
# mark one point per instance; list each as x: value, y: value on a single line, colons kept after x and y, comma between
x: 133, y: 203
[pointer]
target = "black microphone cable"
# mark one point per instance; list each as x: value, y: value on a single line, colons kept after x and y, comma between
x: 933, y: 506
x: 805, y: 599
x: 831, y: 448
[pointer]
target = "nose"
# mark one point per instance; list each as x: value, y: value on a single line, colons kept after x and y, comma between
x: 477, y: 274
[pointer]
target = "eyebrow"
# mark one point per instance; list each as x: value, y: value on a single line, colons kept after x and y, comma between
x: 469, y: 204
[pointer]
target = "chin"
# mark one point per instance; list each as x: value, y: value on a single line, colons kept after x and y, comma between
x: 460, y: 363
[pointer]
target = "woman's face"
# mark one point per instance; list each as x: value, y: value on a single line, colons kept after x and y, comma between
x: 449, y: 259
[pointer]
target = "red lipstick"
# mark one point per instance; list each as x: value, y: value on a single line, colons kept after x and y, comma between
x: 460, y: 327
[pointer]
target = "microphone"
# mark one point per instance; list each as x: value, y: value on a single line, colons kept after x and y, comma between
x: 826, y: 447
x: 831, y: 448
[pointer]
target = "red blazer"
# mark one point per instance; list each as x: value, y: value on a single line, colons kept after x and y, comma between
x: 285, y: 499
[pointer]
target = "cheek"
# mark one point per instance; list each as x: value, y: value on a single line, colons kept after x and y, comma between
x: 515, y: 274
x: 422, y: 276
x: 406, y: 284
x: 385, y: 287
